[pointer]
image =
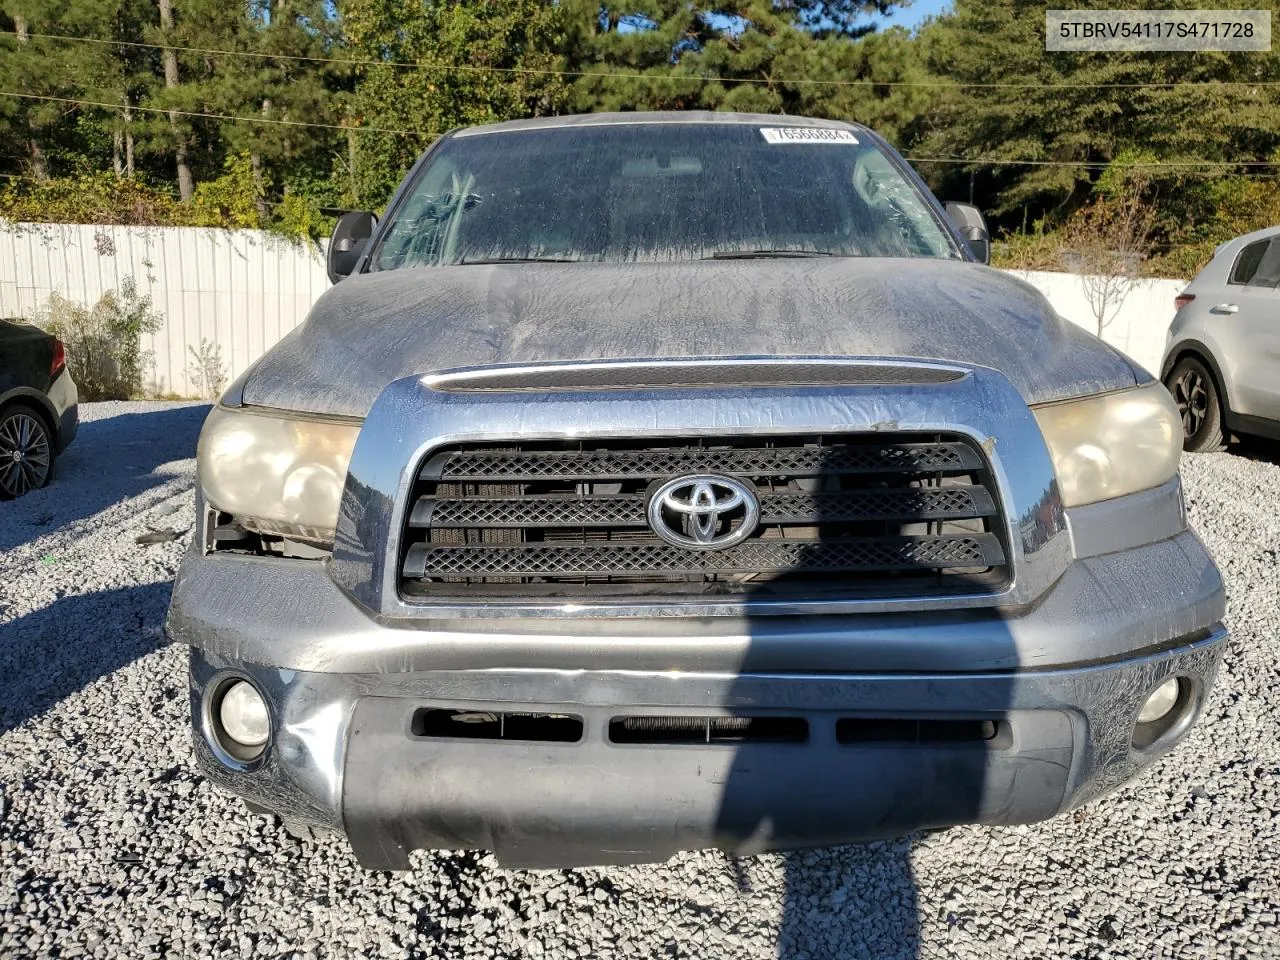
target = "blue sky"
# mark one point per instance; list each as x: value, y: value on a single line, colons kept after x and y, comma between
x: 911, y: 16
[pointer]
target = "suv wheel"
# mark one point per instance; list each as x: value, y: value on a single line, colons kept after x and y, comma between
x: 26, y: 452
x: 1196, y: 394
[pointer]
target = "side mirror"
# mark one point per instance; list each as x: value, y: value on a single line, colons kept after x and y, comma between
x: 972, y: 228
x: 350, y: 236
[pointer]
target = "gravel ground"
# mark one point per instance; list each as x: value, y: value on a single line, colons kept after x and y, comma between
x: 111, y: 845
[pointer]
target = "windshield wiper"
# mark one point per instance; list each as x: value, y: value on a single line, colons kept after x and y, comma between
x: 466, y: 262
x: 764, y: 254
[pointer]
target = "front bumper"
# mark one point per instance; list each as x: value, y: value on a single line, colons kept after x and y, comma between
x: 64, y: 397
x: 1062, y: 680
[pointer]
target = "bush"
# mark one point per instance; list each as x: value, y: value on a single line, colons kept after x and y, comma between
x: 205, y: 372
x: 234, y: 200
x: 90, y: 198
x: 104, y: 342
x: 230, y: 200
x: 1034, y: 250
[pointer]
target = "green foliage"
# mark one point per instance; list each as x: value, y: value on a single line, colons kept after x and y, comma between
x: 1185, y: 225
x: 231, y: 200
x: 298, y: 215
x: 676, y: 55
x: 236, y: 199
x: 505, y: 49
x: 104, y: 342
x: 1034, y: 249
x: 1000, y: 44
x: 89, y: 198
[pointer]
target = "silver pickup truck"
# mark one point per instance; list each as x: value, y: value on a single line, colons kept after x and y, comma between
x: 663, y: 481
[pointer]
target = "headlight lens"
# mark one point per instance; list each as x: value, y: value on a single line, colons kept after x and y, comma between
x: 276, y: 474
x: 1113, y: 444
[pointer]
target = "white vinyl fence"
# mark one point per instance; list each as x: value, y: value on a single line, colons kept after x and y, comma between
x: 1137, y: 324
x: 237, y: 290
x: 240, y: 291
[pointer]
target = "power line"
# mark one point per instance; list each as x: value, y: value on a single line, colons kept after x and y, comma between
x: 210, y: 116
x: 1098, y: 164
x: 650, y: 77
x: 963, y: 161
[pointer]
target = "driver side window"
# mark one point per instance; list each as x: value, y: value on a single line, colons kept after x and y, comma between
x: 424, y: 229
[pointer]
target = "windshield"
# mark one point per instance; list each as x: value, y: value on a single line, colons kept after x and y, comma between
x: 659, y: 192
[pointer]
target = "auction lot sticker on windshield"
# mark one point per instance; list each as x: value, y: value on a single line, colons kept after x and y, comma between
x: 807, y: 135
x: 1168, y: 31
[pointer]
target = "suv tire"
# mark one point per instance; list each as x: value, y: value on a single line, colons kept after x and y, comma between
x: 1200, y: 403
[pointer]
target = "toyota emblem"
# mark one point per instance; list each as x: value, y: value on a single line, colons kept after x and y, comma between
x: 698, y: 512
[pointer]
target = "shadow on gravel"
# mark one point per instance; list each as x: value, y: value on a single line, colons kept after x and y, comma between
x: 51, y: 653
x: 852, y: 901
x: 110, y: 460
x: 858, y: 727
x: 1257, y: 448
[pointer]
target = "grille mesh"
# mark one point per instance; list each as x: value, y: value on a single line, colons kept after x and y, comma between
x: 500, y: 465
x: 576, y: 560
x: 896, y: 513
x: 567, y: 511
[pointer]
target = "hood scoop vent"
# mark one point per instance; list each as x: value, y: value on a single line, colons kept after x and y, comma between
x: 706, y: 373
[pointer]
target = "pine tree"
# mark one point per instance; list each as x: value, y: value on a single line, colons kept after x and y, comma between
x: 48, y: 137
x: 283, y: 81
x: 171, y: 82
x: 675, y: 55
x: 487, y: 47
x: 1002, y: 42
x: 26, y: 123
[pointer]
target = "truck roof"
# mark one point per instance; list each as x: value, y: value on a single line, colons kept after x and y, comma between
x: 664, y: 116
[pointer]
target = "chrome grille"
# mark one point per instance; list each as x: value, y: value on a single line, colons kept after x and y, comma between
x: 890, y: 514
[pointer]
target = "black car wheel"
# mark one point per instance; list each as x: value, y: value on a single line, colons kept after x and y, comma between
x: 26, y: 452
x: 1196, y: 394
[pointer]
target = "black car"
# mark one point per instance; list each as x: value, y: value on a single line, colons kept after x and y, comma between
x: 38, y: 407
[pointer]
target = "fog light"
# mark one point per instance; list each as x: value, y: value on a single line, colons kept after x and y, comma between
x: 243, y: 714
x: 1162, y: 699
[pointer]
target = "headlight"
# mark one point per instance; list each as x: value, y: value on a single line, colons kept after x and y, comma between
x: 276, y: 474
x: 1113, y: 444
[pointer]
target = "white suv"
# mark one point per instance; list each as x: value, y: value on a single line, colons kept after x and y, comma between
x: 1222, y: 356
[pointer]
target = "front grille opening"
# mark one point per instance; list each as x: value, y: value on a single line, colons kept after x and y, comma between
x: 675, y: 730
x: 225, y: 533
x: 893, y: 514
x: 861, y: 731
x: 486, y: 725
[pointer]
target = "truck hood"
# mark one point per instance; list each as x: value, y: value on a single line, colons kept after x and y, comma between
x: 374, y: 328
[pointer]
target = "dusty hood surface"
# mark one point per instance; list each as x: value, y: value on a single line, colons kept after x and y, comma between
x: 372, y: 329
